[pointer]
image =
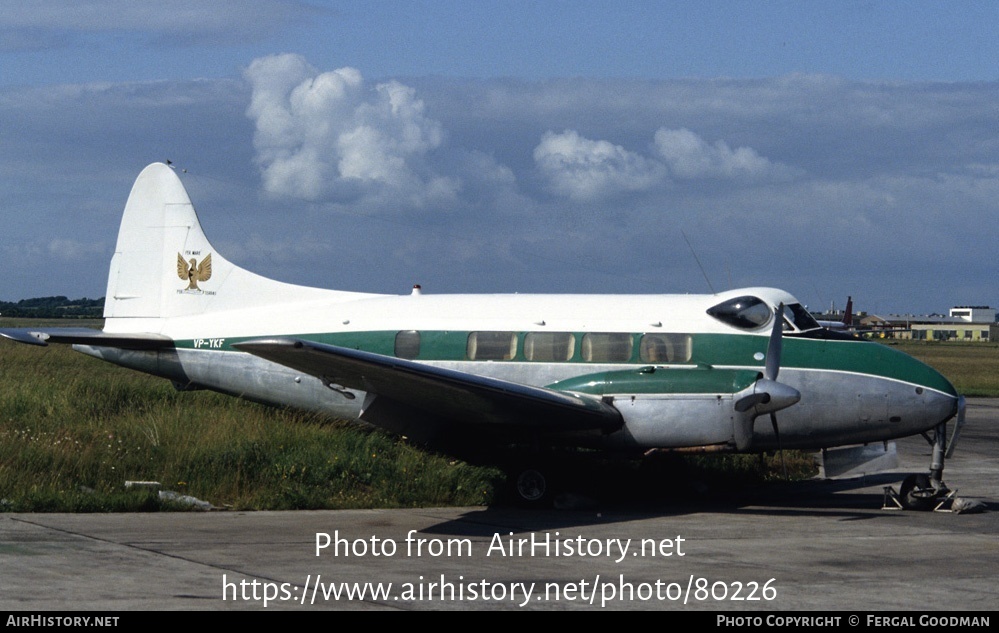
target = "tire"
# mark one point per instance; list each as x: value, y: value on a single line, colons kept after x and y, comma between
x: 531, y: 487
x: 917, y: 493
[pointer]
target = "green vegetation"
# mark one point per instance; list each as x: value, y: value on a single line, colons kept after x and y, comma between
x: 973, y: 368
x: 73, y: 430
x: 53, y: 308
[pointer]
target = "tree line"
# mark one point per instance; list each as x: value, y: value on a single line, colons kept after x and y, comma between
x: 53, y: 308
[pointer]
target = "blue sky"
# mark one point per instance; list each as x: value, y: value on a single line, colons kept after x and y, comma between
x: 832, y: 149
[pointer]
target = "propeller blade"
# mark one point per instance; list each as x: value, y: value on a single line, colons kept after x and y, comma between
x: 748, y: 402
x: 766, y: 395
x: 780, y: 451
x: 772, y: 366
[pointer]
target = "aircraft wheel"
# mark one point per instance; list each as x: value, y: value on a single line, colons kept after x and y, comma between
x: 531, y: 487
x: 917, y: 493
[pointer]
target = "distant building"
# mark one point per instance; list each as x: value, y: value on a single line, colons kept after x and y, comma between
x: 964, y: 323
x: 974, y: 314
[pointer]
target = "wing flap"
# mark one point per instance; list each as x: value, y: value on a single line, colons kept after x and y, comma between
x: 86, y: 336
x: 446, y: 393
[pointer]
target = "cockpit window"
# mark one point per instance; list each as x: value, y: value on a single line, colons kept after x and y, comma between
x: 800, y: 317
x: 747, y: 312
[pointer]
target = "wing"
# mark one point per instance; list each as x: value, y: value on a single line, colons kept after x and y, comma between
x: 86, y: 336
x: 205, y: 268
x: 441, y: 393
x: 181, y: 267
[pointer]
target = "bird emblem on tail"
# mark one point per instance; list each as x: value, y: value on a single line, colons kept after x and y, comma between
x: 192, y: 272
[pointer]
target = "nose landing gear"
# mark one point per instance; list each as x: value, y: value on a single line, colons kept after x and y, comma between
x: 928, y: 491
x: 918, y: 492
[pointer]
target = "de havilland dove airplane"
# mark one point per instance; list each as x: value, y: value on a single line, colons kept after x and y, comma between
x: 512, y: 377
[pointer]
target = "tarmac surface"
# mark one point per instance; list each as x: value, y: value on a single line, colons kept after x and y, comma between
x: 821, y: 545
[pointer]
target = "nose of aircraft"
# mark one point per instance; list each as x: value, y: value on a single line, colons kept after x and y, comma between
x: 939, y: 407
x: 922, y: 397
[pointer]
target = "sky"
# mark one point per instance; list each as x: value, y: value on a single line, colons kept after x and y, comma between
x: 831, y: 149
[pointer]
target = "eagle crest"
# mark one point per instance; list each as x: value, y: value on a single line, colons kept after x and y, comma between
x: 192, y: 272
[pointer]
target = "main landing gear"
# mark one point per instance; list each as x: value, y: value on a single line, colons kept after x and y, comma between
x: 531, y: 486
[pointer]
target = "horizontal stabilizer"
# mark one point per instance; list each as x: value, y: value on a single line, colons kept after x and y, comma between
x: 86, y: 336
x: 442, y: 392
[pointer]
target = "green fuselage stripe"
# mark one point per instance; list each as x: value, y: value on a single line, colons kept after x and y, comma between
x: 717, y: 350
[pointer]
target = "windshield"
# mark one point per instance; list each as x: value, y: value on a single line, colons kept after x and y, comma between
x: 800, y: 317
x: 748, y: 313
x: 751, y: 313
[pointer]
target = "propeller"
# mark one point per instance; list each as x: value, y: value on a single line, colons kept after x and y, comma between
x: 766, y: 395
x: 772, y: 364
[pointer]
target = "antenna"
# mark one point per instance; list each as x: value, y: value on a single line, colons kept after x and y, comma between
x: 698, y: 261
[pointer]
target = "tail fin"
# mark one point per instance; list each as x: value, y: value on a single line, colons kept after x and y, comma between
x: 848, y: 317
x: 164, y: 266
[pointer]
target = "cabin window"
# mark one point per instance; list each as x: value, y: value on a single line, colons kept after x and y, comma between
x: 548, y: 346
x: 607, y: 348
x: 407, y: 344
x: 492, y: 345
x: 746, y: 313
x: 664, y: 348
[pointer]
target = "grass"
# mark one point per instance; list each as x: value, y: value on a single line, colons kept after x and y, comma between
x: 973, y: 368
x: 73, y: 430
x: 78, y: 429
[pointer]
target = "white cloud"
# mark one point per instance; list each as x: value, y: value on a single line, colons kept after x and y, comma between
x: 585, y: 170
x: 329, y: 136
x: 690, y: 156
